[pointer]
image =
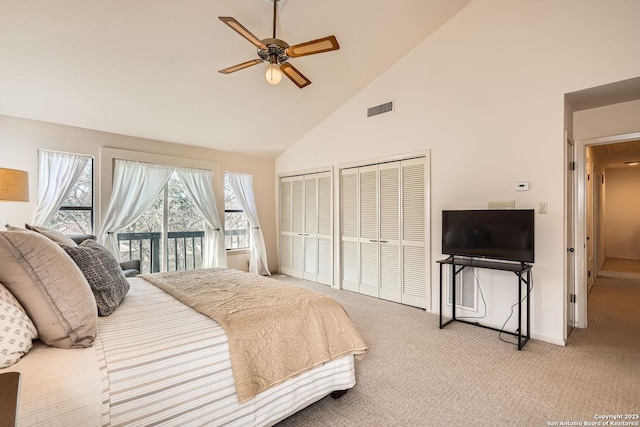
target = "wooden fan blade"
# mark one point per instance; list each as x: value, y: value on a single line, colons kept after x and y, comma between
x: 240, y: 66
x: 324, y: 44
x: 240, y: 29
x: 295, y: 75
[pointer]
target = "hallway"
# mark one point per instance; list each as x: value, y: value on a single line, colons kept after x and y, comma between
x: 613, y: 319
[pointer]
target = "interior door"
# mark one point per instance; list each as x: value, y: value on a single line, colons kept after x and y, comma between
x: 310, y: 227
x: 591, y: 263
x: 414, y: 233
x: 285, y: 226
x: 384, y: 230
x: 325, y: 228
x: 306, y: 224
x: 349, y: 228
x: 570, y: 235
x: 368, y: 232
x: 389, y: 235
x: 297, y: 227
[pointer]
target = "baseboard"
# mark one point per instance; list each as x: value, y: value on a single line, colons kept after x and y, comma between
x: 618, y: 275
x: 548, y: 340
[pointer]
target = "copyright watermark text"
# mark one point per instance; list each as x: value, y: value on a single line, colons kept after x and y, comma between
x: 601, y: 420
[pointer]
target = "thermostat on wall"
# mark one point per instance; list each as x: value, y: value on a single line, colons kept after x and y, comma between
x: 522, y: 186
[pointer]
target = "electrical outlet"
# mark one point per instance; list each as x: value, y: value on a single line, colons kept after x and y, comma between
x: 502, y: 204
x: 543, y: 208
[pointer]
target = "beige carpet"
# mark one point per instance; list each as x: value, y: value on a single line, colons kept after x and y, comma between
x: 418, y: 375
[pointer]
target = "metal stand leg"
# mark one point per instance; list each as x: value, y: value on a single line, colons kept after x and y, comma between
x: 517, y: 269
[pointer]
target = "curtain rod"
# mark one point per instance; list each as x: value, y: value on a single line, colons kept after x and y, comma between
x: 163, y: 165
x: 65, y: 152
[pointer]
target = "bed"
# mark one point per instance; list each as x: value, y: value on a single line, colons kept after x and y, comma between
x: 156, y: 360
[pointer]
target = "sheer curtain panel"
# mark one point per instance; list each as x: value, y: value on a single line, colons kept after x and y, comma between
x: 135, y: 187
x: 57, y: 173
x: 242, y: 187
x: 199, y: 185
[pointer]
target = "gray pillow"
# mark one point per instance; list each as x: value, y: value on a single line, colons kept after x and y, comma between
x: 50, y: 287
x: 103, y: 273
x: 56, y: 236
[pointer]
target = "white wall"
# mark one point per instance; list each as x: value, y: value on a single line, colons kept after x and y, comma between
x: 486, y: 95
x: 622, y: 210
x: 20, y: 140
x: 616, y: 119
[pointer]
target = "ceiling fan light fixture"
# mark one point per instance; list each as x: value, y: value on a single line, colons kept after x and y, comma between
x: 277, y: 52
x: 273, y: 74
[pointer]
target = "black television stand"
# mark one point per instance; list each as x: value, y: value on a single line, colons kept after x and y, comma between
x: 459, y: 264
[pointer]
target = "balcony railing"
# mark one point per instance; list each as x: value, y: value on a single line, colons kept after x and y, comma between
x: 236, y: 239
x: 142, y: 246
x: 184, y: 248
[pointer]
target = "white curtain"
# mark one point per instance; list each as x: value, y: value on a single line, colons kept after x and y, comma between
x: 57, y: 173
x: 243, y: 189
x: 199, y: 185
x: 135, y: 186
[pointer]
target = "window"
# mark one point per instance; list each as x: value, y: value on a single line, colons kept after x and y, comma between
x: 173, y: 211
x: 75, y: 215
x: 236, y: 224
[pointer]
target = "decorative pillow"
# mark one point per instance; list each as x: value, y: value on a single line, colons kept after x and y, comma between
x: 56, y: 236
x: 50, y: 287
x: 10, y: 227
x: 16, y: 329
x: 103, y: 272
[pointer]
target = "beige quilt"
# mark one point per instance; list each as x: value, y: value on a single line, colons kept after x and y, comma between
x: 275, y: 331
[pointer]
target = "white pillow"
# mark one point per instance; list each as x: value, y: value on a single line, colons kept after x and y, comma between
x: 16, y: 329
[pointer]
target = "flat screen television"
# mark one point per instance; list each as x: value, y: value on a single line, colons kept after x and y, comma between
x: 502, y: 234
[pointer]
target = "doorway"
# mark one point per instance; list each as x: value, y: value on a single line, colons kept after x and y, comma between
x: 590, y: 218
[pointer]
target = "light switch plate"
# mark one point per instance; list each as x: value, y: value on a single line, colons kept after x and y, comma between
x: 543, y: 208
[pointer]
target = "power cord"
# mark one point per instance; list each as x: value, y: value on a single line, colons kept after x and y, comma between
x: 530, y: 288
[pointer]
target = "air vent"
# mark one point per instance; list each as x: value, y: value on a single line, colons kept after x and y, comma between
x: 466, y: 294
x: 380, y: 109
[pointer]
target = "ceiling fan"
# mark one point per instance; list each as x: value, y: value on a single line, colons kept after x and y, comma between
x: 277, y: 52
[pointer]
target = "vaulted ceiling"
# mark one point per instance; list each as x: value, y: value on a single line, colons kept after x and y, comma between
x: 148, y: 68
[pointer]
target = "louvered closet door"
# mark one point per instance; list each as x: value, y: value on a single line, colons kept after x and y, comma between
x: 297, y: 221
x: 389, y: 234
x: 310, y: 227
x: 306, y: 224
x: 349, y: 229
x: 325, y: 229
x: 414, y: 251
x: 285, y: 226
x: 368, y: 232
